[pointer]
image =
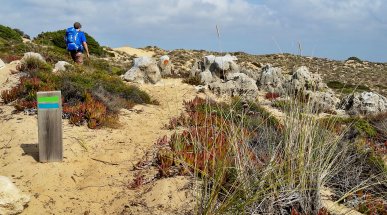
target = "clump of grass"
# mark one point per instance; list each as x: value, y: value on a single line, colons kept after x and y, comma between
x: 282, y: 104
x: 244, y: 169
x: 33, y: 64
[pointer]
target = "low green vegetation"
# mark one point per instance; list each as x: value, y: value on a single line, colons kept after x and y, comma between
x: 192, y: 80
x: 91, y: 93
x: 11, y: 45
x: 356, y: 59
x: 362, y: 125
x: 9, y: 34
x: 347, y: 88
x: 56, y: 39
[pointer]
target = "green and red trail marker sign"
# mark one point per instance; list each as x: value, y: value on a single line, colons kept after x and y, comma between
x: 50, y: 126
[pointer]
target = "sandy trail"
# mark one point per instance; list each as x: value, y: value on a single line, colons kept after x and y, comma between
x: 82, y: 184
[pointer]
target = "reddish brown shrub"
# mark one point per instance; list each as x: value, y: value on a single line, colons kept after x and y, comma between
x: 10, y: 95
x: 372, y: 205
x: 10, y: 58
x: 206, y: 141
x: 272, y: 96
x: 23, y: 104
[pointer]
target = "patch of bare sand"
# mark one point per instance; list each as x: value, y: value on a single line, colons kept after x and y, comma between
x: 8, y: 76
x: 134, y: 51
x: 334, y: 207
x: 97, y: 166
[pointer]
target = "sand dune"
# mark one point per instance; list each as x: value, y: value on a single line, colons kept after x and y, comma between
x: 134, y: 51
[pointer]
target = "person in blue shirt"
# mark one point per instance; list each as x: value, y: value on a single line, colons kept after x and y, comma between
x: 80, y: 41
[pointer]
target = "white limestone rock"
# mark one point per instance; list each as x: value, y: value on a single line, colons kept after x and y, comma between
x: 12, y: 200
x: 364, y: 103
x: 61, y: 66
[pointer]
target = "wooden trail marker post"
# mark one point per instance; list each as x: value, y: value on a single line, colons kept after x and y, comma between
x: 50, y: 126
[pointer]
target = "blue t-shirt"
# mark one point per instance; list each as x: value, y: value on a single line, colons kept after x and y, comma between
x: 80, y: 39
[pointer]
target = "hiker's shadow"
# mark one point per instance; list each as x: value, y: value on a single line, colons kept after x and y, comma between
x: 31, y: 150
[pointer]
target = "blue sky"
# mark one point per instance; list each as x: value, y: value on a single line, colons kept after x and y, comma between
x: 325, y: 28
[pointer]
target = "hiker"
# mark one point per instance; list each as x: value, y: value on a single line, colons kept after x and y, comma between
x: 76, y: 43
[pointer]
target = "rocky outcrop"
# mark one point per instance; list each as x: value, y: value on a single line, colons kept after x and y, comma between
x: 254, y: 74
x: 144, y: 70
x: 197, y: 68
x: 32, y: 55
x: 222, y: 66
x: 302, y: 80
x: 12, y: 201
x: 272, y: 80
x: 237, y: 84
x: 206, y: 77
x: 165, y: 66
x: 61, y: 66
x: 222, y: 76
x: 364, y: 103
x: 2, y: 64
x: 323, y: 101
x: 218, y: 66
x: 208, y: 61
x: 301, y: 83
x: 134, y: 75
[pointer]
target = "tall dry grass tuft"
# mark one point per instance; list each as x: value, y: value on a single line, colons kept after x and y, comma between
x: 259, y: 169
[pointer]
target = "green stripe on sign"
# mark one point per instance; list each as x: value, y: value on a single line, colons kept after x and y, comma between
x: 48, y: 99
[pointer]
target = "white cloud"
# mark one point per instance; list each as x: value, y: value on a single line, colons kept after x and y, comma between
x: 337, y: 14
x: 245, y: 24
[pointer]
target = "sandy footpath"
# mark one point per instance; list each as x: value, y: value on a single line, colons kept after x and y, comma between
x: 98, y: 164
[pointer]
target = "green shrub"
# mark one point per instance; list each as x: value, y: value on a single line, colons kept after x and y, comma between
x: 355, y: 59
x: 56, y: 39
x: 89, y: 95
x: 336, y: 85
x: 21, y: 33
x: 365, y: 128
x: 9, y: 34
x: 347, y: 88
x: 192, y: 80
x: 14, y: 49
x: 33, y: 64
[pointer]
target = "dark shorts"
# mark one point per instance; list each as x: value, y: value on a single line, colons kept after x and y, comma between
x: 77, y: 57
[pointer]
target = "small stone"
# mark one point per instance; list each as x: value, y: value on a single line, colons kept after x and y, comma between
x: 61, y: 66
x: 2, y: 64
x: 12, y: 201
